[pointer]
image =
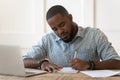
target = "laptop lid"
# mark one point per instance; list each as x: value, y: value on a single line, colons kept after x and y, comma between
x: 11, y: 62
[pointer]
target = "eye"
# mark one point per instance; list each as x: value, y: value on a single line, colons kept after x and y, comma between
x: 62, y: 24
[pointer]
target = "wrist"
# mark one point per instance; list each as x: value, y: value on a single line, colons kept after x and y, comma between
x: 42, y: 61
x: 91, y: 65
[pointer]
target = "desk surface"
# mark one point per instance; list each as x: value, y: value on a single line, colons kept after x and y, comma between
x: 58, y: 76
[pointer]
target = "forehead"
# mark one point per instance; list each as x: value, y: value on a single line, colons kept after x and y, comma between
x: 56, y: 19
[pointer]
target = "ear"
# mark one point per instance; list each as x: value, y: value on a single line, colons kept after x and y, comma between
x: 70, y: 17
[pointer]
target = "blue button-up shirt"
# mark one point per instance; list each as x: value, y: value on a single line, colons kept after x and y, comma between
x: 89, y: 43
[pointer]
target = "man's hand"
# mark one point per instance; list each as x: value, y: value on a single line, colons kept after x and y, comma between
x: 78, y: 64
x: 46, y: 66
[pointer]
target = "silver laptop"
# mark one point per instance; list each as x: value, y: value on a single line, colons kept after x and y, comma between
x: 11, y: 62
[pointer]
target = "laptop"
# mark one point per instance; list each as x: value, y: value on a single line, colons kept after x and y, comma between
x: 11, y: 62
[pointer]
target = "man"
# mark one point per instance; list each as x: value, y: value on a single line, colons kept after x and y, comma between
x: 71, y: 45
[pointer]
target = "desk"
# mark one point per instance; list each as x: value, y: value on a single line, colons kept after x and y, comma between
x: 58, y: 76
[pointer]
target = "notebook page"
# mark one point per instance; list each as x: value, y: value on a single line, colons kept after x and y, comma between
x: 100, y: 73
x: 67, y: 70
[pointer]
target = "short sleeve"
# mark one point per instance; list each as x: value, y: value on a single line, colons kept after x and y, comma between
x: 38, y: 51
x: 104, y: 48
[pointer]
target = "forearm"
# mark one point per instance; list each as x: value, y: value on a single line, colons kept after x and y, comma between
x: 108, y: 64
x: 31, y: 63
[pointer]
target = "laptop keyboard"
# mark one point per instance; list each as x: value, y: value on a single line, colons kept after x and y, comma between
x: 30, y: 72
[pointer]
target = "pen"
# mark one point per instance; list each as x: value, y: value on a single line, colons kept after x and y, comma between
x: 75, y: 54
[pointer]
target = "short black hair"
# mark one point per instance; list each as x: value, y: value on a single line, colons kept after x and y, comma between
x: 55, y: 10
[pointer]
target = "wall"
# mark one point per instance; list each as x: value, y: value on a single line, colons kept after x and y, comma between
x: 107, y: 18
x: 21, y: 22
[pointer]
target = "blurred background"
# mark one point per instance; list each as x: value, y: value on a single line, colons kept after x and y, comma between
x: 23, y: 22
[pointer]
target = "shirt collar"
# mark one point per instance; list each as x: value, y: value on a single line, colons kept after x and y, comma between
x: 80, y: 33
x: 57, y: 38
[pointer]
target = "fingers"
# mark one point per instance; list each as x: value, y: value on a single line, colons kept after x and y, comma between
x: 51, y: 67
x: 73, y: 62
x: 77, y: 64
x: 58, y: 67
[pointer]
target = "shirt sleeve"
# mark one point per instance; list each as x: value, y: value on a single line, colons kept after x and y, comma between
x: 104, y: 48
x: 38, y: 51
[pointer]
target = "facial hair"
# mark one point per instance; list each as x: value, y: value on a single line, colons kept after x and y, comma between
x: 72, y: 34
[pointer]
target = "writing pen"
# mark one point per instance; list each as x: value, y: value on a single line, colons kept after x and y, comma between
x: 75, y: 54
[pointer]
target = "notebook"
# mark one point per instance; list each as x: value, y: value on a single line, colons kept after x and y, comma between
x: 11, y: 62
x: 92, y: 73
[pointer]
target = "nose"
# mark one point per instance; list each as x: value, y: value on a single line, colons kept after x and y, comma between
x: 60, y: 31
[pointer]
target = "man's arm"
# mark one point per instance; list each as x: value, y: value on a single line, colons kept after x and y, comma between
x: 31, y: 63
x: 110, y: 58
x: 37, y: 53
x: 83, y: 65
x: 108, y: 64
x: 44, y: 65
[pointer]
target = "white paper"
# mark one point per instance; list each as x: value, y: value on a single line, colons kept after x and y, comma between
x: 92, y: 73
x: 101, y: 73
x: 68, y: 70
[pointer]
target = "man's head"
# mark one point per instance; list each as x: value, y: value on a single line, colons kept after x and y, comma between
x: 61, y: 23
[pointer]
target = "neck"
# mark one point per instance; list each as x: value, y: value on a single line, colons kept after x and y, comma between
x: 75, y: 29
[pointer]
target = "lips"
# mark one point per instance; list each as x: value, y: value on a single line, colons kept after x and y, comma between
x: 64, y: 36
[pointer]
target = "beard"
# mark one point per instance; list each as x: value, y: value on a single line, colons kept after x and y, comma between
x: 71, y: 35
x: 68, y: 40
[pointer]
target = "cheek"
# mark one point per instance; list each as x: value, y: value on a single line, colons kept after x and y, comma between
x: 68, y: 28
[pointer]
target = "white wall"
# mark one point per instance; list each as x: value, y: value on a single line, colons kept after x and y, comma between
x: 21, y: 22
x: 108, y: 20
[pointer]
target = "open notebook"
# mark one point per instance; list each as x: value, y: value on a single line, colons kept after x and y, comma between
x: 11, y: 62
x: 92, y: 73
